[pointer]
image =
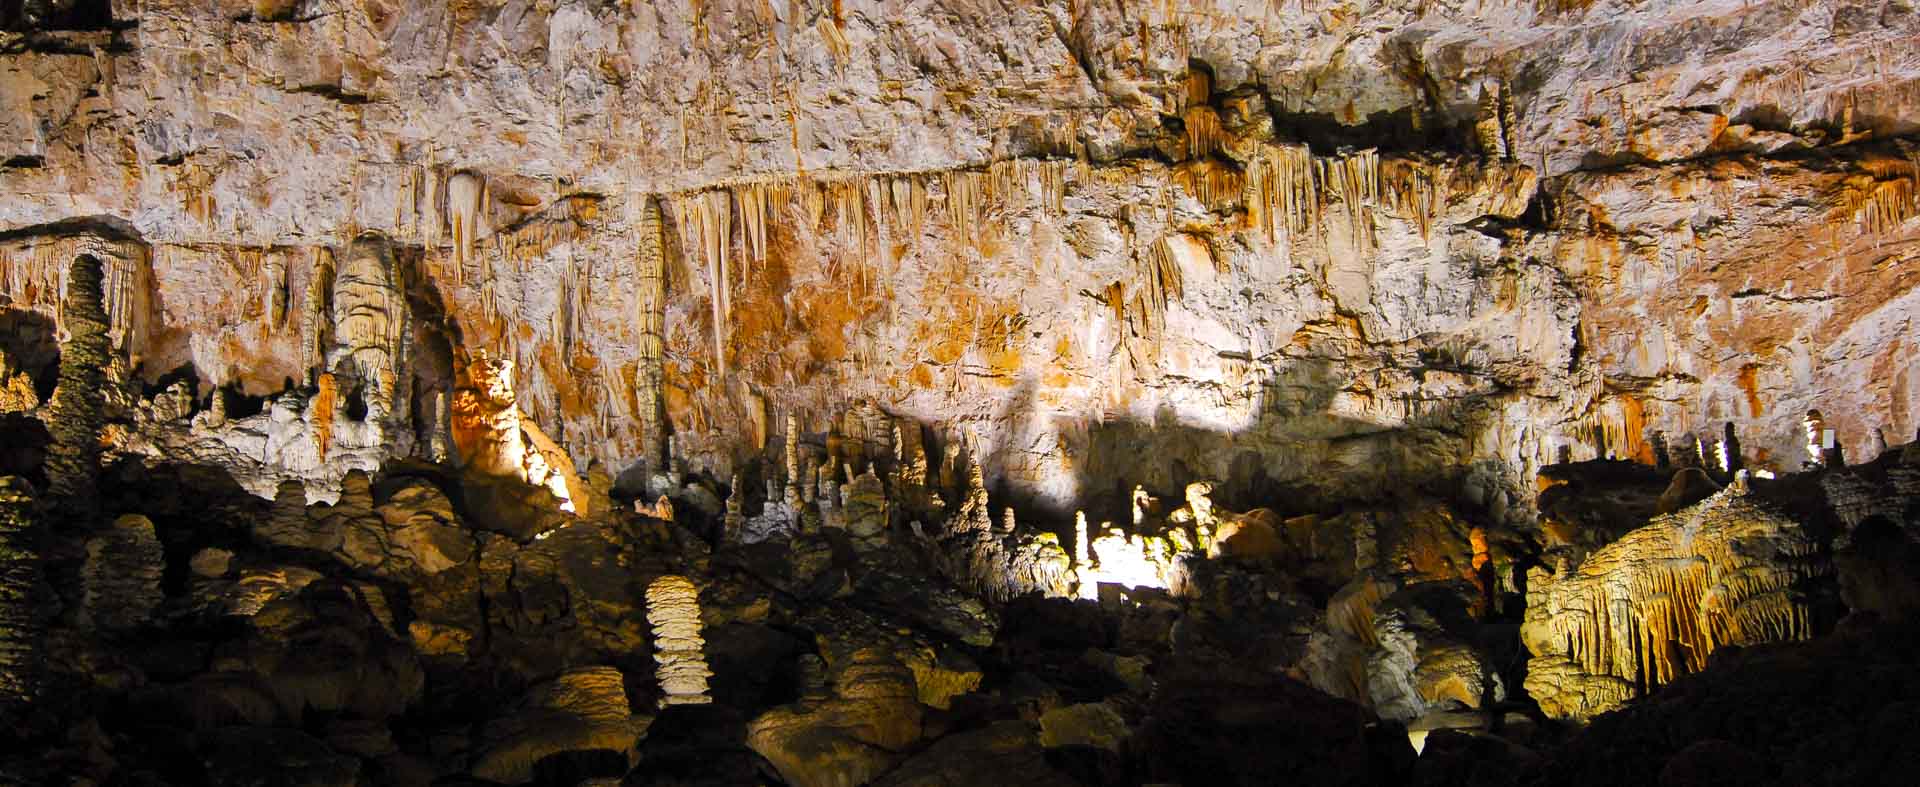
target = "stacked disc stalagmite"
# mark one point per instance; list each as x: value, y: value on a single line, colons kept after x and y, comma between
x: 673, y: 609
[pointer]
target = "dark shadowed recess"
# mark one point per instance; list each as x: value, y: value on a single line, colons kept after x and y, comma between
x: 30, y: 15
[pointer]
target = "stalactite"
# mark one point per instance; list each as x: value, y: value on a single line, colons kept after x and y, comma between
x: 1884, y: 198
x: 316, y: 316
x: 1161, y: 282
x: 1416, y: 190
x: 813, y: 204
x: 1204, y: 134
x: 1215, y: 184
x: 1281, y: 193
x: 909, y: 205
x: 568, y: 308
x: 706, y: 225
x: 20, y: 578
x: 752, y: 200
x: 1354, y: 180
x: 1655, y: 604
x: 963, y: 202
x: 468, y: 213
x: 849, y: 210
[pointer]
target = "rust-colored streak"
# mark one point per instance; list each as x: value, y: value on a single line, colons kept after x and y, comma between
x: 1749, y: 382
x: 322, y: 409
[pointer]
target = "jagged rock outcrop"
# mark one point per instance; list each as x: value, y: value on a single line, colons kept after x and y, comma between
x: 855, y: 723
x: 673, y: 609
x: 20, y: 577
x: 583, y: 709
x: 1653, y: 606
x: 16, y: 388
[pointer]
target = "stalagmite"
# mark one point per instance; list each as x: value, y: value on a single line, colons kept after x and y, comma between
x: 438, y: 449
x: 1509, y: 123
x: 1814, y: 425
x: 75, y: 415
x: 1731, y: 458
x: 673, y: 609
x: 734, y: 522
x: 369, y: 340
x: 650, y: 318
x: 1486, y: 124
x: 1080, y: 555
x: 20, y: 578
x: 120, y: 582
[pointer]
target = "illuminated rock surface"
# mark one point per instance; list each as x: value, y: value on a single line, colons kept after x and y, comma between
x: 942, y: 392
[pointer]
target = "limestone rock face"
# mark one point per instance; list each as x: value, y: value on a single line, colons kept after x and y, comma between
x: 1653, y: 605
x: 950, y: 217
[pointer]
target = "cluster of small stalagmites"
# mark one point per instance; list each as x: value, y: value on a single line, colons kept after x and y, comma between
x: 673, y: 609
x: 120, y: 580
x: 1147, y: 555
x: 1653, y: 605
x: 20, y: 574
x: 16, y: 388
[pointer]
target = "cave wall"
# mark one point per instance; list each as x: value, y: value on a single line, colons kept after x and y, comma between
x: 1069, y: 226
